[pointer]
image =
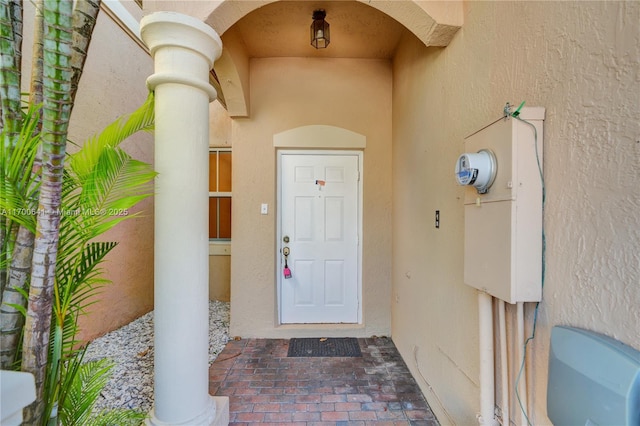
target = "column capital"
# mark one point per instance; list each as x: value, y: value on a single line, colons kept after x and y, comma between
x: 171, y: 29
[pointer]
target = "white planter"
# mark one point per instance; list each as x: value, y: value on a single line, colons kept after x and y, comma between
x: 17, y: 390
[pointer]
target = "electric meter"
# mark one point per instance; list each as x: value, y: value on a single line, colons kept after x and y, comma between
x: 477, y: 170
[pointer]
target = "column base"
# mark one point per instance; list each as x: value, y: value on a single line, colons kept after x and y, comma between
x: 216, y: 414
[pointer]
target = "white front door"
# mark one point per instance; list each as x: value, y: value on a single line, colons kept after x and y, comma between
x: 319, y: 224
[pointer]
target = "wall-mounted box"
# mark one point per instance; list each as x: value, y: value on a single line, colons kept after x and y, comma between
x: 593, y: 379
x: 503, y: 227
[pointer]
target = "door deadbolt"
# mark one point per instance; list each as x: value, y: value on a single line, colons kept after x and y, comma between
x: 285, y: 239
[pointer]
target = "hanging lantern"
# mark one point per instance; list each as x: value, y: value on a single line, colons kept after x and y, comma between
x: 319, y: 30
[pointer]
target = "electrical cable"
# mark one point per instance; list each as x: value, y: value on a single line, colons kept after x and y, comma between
x: 544, y: 246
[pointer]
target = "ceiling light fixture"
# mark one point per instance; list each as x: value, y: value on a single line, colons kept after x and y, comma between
x: 319, y: 30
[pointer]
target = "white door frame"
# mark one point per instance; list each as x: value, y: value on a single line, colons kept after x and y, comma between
x: 278, y: 259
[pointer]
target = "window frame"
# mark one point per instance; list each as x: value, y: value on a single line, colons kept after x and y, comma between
x: 219, y: 194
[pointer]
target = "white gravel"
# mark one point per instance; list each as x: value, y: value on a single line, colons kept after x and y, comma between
x: 131, y: 349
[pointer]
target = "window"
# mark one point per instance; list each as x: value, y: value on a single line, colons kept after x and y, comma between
x: 220, y: 194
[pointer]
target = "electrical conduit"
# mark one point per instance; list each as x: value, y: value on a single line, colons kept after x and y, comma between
x: 487, y: 378
x: 504, y: 365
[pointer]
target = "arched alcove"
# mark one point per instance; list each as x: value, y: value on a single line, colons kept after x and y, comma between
x: 433, y: 23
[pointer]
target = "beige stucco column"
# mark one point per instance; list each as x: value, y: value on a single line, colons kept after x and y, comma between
x: 183, y: 49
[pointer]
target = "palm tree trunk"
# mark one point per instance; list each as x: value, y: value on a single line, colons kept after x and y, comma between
x: 11, y: 319
x: 84, y: 21
x: 10, y: 75
x: 35, y: 91
x: 10, y: 66
x: 56, y: 113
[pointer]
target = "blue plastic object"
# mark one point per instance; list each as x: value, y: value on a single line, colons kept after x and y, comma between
x: 593, y: 380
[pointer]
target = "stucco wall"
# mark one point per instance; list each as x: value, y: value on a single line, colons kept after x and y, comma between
x: 287, y: 93
x: 581, y: 62
x: 116, y: 61
x: 113, y: 84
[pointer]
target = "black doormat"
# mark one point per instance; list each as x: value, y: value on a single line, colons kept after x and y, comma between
x: 315, y: 347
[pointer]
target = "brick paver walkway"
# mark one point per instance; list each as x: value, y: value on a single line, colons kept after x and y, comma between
x: 264, y: 386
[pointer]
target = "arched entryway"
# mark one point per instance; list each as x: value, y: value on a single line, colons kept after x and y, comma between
x: 270, y: 88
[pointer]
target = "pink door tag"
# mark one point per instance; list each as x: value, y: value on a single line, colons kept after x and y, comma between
x: 287, y: 272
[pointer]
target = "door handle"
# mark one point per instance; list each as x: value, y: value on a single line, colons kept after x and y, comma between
x: 286, y: 271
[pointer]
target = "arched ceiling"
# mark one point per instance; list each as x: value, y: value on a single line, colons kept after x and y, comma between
x: 271, y: 28
x: 281, y: 29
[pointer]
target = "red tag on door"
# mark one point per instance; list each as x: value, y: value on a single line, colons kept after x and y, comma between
x: 287, y: 272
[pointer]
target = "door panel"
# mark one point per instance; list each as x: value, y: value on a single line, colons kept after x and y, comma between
x: 303, y: 295
x: 333, y: 219
x: 319, y: 213
x: 334, y: 285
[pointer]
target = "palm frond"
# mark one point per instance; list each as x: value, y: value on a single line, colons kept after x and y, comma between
x: 19, y: 308
x: 83, y: 268
x: 19, y: 183
x: 118, y: 417
x: 78, y: 279
x: 52, y: 384
x: 24, y: 152
x: 99, y: 181
x: 77, y: 404
x: 117, y: 183
x: 15, y: 205
x: 71, y: 190
x: 104, y: 181
x: 70, y: 345
x: 83, y: 162
x: 71, y: 368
